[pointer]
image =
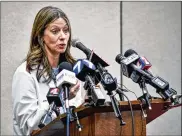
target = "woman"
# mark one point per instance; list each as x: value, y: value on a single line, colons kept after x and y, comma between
x: 49, y: 46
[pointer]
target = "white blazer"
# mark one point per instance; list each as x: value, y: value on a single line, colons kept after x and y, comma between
x: 30, y: 102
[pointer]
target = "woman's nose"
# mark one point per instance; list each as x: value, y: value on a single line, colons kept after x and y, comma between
x: 62, y: 35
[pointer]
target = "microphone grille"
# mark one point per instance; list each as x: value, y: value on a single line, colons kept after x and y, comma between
x: 65, y: 65
x: 74, y: 42
x: 129, y: 52
x: 118, y: 58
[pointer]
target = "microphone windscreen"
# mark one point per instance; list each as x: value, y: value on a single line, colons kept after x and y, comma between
x: 74, y: 42
x: 129, y: 52
x: 65, y: 65
x: 118, y: 58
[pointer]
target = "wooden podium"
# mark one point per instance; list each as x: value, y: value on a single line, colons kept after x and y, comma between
x: 101, y: 121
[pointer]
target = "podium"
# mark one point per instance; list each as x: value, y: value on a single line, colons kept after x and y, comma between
x: 98, y: 121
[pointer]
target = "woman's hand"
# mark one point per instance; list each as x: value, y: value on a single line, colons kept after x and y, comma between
x: 74, y: 90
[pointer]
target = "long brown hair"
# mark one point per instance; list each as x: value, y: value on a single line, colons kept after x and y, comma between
x: 36, y: 55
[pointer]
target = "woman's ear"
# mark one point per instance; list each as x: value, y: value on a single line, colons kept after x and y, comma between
x: 40, y: 40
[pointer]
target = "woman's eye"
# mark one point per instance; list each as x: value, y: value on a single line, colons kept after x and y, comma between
x: 55, y: 31
x: 66, y: 30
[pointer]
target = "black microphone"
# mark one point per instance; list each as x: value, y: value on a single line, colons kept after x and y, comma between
x: 107, y: 81
x: 79, y: 45
x: 91, y: 55
x: 128, y: 65
x: 85, y: 71
x: 55, y: 100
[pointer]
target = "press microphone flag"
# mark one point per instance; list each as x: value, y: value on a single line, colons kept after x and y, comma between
x: 54, y: 96
x: 66, y: 77
x: 143, y: 63
x: 126, y: 62
x: 85, y: 71
x: 82, y: 67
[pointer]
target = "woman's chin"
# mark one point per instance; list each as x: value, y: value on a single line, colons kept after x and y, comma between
x: 61, y: 51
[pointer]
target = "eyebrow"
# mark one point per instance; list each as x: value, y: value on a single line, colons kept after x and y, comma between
x: 66, y: 25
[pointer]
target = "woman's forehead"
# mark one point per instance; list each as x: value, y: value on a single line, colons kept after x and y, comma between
x: 58, y: 22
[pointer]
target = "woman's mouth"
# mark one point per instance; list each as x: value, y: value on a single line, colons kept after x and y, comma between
x: 61, y: 46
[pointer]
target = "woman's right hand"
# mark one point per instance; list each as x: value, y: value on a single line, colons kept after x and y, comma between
x: 74, y: 89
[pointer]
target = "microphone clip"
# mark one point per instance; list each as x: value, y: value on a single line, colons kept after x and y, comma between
x: 176, y: 99
x: 74, y: 117
x: 146, y: 96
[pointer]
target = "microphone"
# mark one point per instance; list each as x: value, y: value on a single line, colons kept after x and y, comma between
x: 142, y: 64
x: 99, y: 63
x: 76, y: 43
x: 46, y: 119
x: 85, y: 71
x: 54, y: 95
x: 128, y: 66
x: 82, y: 68
x: 91, y: 55
x: 66, y: 79
x: 108, y: 82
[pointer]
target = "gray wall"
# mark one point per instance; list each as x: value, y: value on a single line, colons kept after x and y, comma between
x: 92, y: 22
x: 153, y: 29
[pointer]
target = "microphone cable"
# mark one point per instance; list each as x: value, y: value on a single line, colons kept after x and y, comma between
x: 131, y: 109
x: 141, y: 105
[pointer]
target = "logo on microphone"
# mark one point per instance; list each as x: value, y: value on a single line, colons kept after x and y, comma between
x: 130, y: 59
x: 66, y: 76
x: 143, y: 63
x: 78, y: 67
x: 54, y: 91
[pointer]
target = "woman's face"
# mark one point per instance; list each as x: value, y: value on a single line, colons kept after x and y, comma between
x: 56, y: 36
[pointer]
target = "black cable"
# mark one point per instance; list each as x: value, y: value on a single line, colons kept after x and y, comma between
x: 131, y: 111
x: 141, y: 105
x: 128, y: 90
x: 144, y: 115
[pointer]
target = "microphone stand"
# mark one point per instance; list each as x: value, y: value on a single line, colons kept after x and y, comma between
x: 146, y: 95
x: 74, y: 115
x: 67, y: 109
x: 121, y: 97
x: 115, y: 106
x: 110, y: 84
x: 94, y: 94
x: 46, y: 119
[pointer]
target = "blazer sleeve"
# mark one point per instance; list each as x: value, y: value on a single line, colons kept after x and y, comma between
x: 26, y: 108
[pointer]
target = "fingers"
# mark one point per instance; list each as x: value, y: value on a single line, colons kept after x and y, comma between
x: 76, y: 86
x: 98, y: 85
x: 74, y: 90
